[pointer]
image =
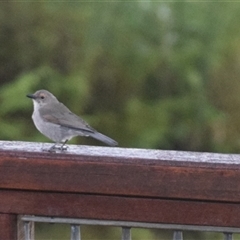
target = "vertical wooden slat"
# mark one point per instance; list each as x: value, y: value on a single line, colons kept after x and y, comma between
x: 8, y: 226
x: 126, y: 233
x: 177, y: 235
x: 228, y: 236
x: 75, y: 232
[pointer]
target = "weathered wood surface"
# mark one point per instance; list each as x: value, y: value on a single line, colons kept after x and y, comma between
x: 119, y: 171
x: 120, y: 184
x: 120, y: 208
x: 8, y: 226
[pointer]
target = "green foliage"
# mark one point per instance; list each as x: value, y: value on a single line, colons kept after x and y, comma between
x: 150, y: 75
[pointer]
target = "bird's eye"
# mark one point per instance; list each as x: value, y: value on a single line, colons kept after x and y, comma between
x: 42, y: 97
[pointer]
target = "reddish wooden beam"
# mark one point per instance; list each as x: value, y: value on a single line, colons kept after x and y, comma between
x: 120, y: 208
x: 119, y: 184
x: 8, y: 226
x: 121, y: 172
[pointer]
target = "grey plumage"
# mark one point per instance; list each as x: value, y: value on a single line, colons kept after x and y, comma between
x: 54, y: 120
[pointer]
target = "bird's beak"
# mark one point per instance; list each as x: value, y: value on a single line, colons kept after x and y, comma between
x: 31, y: 96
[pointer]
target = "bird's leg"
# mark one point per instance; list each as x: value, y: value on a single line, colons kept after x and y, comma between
x: 53, y: 148
x: 63, y: 147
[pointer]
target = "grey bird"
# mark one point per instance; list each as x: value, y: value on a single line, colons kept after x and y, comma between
x: 54, y: 120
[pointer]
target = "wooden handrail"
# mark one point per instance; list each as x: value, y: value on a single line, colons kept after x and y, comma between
x: 139, y: 185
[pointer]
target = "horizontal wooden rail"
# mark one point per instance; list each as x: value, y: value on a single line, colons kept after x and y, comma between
x: 151, y: 186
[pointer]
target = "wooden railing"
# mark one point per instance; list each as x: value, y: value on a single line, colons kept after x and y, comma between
x: 138, y: 186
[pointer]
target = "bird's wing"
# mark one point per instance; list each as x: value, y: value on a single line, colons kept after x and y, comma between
x: 61, y: 115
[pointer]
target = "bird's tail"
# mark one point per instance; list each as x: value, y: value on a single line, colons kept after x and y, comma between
x: 103, y: 138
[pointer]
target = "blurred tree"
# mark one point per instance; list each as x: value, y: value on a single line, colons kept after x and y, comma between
x: 143, y: 73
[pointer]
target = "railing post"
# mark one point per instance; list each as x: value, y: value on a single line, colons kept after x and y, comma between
x: 25, y: 230
x: 178, y: 235
x: 126, y: 233
x: 8, y: 226
x: 228, y: 236
x: 28, y: 231
x: 75, y: 232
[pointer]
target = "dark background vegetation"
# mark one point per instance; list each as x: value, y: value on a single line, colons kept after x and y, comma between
x: 162, y: 75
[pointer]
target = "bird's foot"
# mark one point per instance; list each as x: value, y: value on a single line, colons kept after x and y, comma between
x: 64, y: 148
x: 55, y: 148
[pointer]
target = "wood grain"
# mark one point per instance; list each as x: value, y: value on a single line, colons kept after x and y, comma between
x: 213, y: 179
x: 8, y: 226
x: 140, y: 185
x: 120, y: 208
